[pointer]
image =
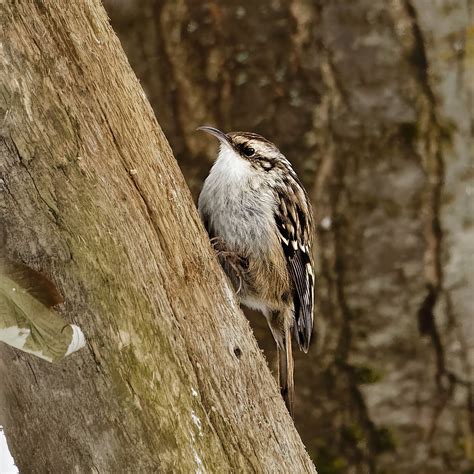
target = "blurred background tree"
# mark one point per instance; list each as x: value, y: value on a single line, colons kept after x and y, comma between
x: 373, y: 103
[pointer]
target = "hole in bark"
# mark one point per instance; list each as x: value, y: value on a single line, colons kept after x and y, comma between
x: 238, y: 352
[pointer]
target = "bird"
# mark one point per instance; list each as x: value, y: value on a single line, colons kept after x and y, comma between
x: 259, y: 219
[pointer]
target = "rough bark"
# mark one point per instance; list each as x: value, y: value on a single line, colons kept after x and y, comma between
x: 172, y: 379
x: 372, y: 101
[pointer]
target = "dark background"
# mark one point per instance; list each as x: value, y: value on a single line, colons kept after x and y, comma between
x: 372, y: 102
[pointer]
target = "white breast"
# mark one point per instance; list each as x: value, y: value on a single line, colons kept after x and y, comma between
x: 237, y: 203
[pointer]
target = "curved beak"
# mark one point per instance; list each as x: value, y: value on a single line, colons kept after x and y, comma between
x: 221, y: 136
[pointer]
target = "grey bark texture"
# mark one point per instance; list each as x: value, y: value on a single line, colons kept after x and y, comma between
x: 172, y: 379
x: 373, y: 103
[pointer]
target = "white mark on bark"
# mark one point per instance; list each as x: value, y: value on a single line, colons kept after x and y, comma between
x: 27, y: 100
x: 3, y: 54
x: 197, y: 422
x: 124, y: 339
x: 229, y: 293
x: 200, y: 465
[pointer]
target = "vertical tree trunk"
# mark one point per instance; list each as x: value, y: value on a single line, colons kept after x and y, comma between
x: 172, y: 379
x: 372, y: 101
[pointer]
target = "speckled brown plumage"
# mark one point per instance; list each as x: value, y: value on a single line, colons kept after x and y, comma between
x: 259, y: 217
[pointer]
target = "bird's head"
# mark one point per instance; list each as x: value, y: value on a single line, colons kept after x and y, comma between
x: 259, y: 152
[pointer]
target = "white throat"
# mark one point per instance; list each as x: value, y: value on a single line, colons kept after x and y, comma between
x: 237, y: 203
x: 231, y: 166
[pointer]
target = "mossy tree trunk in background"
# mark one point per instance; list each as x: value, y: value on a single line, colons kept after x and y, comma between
x: 372, y: 101
x: 172, y: 379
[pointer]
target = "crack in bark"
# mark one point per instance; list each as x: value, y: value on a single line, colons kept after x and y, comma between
x: 32, y: 371
x: 52, y: 211
x: 426, y: 317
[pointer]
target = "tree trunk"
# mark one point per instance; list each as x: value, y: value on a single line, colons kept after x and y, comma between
x: 372, y: 101
x: 171, y: 379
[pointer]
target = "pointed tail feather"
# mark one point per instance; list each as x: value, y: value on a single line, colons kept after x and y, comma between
x: 285, y: 372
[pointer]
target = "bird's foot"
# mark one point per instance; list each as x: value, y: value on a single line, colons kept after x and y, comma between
x: 235, y: 264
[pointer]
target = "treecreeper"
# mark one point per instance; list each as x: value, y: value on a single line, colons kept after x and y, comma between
x: 259, y: 219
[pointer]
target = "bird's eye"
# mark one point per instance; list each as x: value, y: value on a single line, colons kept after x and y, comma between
x: 249, y: 151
